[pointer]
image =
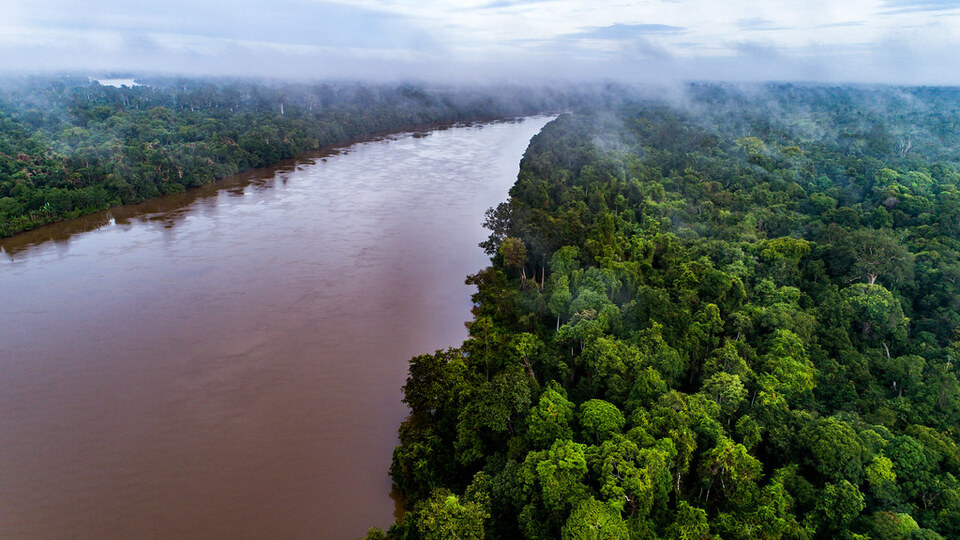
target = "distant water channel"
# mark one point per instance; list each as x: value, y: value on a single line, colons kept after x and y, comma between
x: 227, y: 363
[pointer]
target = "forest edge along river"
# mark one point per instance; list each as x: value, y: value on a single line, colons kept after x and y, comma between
x: 227, y: 362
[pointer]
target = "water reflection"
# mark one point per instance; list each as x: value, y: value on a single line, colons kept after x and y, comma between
x: 168, y: 210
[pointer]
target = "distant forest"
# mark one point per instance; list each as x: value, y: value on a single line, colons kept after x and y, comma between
x: 69, y: 146
x: 733, y: 316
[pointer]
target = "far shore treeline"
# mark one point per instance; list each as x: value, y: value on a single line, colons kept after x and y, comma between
x: 70, y: 146
x: 737, y: 318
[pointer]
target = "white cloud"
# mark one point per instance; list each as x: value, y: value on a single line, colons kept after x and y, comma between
x: 690, y: 38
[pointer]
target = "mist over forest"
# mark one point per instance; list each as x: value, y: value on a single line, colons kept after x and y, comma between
x: 909, y: 42
x: 722, y: 296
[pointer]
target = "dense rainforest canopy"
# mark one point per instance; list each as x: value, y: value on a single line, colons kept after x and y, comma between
x: 732, y: 316
x: 69, y: 146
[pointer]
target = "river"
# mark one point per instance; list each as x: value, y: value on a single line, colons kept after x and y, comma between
x: 227, y: 363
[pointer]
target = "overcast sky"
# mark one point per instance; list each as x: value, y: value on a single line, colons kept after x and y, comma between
x: 899, y: 41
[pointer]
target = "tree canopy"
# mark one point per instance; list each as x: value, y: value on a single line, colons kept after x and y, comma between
x: 731, y: 318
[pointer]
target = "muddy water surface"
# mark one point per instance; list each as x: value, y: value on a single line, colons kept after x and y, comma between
x: 227, y: 363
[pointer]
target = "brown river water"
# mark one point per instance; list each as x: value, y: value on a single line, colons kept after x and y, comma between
x: 227, y: 363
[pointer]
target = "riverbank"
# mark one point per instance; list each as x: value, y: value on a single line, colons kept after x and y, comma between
x: 69, y: 148
x: 317, y: 153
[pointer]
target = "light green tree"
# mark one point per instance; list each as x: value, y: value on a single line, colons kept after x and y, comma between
x: 600, y: 419
x: 594, y: 520
x: 550, y: 419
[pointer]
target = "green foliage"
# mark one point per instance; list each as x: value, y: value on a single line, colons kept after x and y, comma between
x: 835, y: 449
x: 727, y: 390
x: 551, y: 418
x: 514, y: 252
x: 444, y: 515
x: 600, y: 419
x: 840, y: 505
x: 882, y: 479
x: 874, y: 310
x: 690, y: 524
x: 748, y: 325
x: 593, y: 520
x: 894, y: 526
x: 787, y: 370
x: 559, y: 473
x: 493, y: 407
